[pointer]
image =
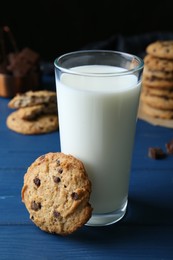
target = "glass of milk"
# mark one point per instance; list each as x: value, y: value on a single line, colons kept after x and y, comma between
x: 98, y: 95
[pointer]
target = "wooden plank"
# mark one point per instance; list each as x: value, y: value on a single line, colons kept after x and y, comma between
x: 150, y: 196
x: 111, y: 242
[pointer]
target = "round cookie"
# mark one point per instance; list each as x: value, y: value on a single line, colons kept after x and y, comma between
x: 41, y: 125
x: 160, y: 102
x: 161, y: 49
x: 56, y: 193
x: 157, y: 82
x: 155, y: 63
x: 160, y: 74
x: 168, y: 93
x: 31, y: 98
x: 30, y: 113
x: 156, y: 112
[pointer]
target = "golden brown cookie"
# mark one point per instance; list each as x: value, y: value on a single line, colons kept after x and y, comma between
x: 157, y: 82
x: 163, y: 92
x: 31, y: 98
x: 156, y: 112
x: 161, y: 102
x: 161, y: 49
x: 155, y: 63
x: 160, y: 74
x: 56, y: 193
x: 42, y: 124
x: 30, y: 113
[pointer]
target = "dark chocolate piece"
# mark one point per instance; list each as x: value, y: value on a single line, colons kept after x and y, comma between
x: 37, y: 182
x: 35, y: 206
x: 75, y: 196
x: 156, y: 153
x: 23, y: 62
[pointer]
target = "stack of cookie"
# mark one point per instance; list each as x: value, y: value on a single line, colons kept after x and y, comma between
x: 35, y: 112
x: 157, y: 89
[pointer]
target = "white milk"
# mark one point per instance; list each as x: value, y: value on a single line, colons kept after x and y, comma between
x: 97, y: 124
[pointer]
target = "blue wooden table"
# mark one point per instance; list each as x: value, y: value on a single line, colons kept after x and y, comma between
x: 146, y: 231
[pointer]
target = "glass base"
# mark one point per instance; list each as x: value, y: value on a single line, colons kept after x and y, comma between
x: 107, y: 218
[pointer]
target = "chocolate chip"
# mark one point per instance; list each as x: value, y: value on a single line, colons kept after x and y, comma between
x: 58, y: 162
x: 37, y: 182
x: 169, y: 147
x: 35, y: 206
x: 156, y: 153
x: 56, y: 179
x: 75, y: 196
x: 60, y: 170
x: 165, y: 97
x: 56, y: 214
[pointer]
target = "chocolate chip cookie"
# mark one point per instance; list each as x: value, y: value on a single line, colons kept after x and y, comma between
x: 161, y: 102
x: 30, y: 113
x: 41, y: 125
x: 157, y: 112
x: 31, y: 98
x: 161, y: 49
x: 56, y: 193
x: 154, y: 81
x: 158, y: 64
x: 161, y: 92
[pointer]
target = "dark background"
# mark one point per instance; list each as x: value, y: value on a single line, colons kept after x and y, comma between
x: 53, y: 27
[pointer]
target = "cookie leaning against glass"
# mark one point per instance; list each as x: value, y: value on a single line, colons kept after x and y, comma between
x: 35, y: 112
x: 56, y: 193
x: 157, y: 81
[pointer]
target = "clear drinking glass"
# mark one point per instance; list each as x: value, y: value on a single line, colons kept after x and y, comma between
x: 98, y: 96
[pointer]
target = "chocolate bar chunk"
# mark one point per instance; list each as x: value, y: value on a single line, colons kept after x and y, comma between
x: 23, y: 62
x: 169, y: 147
x: 156, y: 153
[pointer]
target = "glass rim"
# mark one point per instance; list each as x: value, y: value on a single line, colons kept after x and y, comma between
x: 121, y: 73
